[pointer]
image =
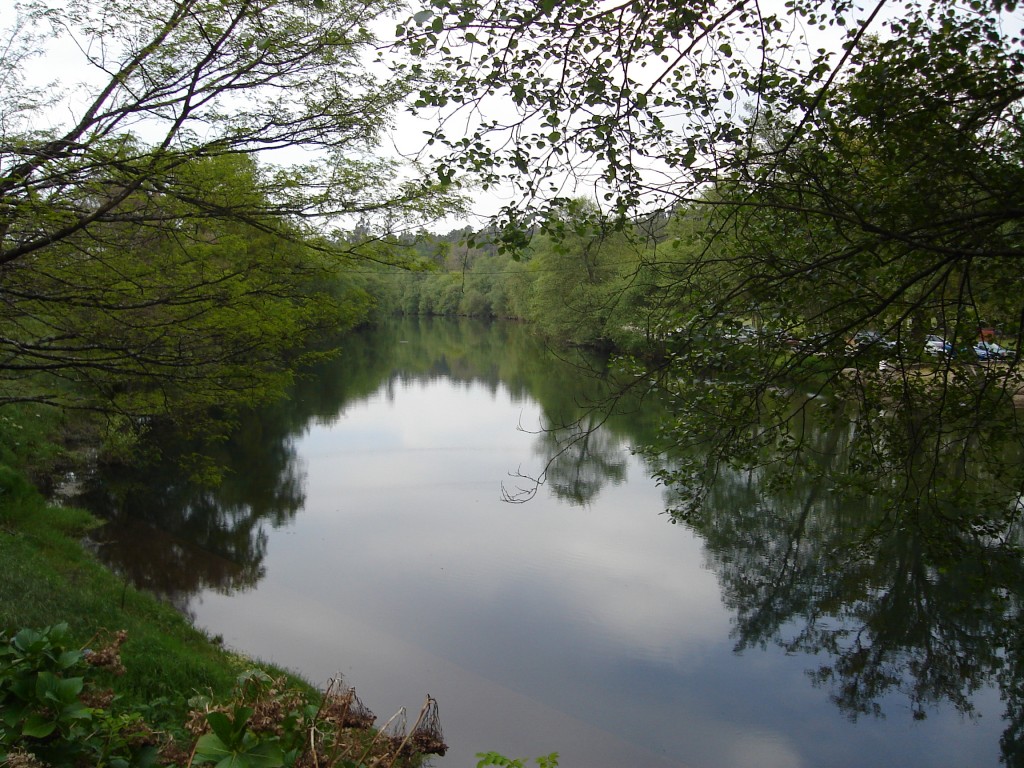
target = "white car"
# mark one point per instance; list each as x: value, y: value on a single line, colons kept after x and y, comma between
x: 937, y: 346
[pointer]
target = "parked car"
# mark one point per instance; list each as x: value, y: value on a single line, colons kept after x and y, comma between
x: 873, y: 340
x: 745, y: 334
x: 989, y: 350
x: 815, y: 344
x: 748, y: 334
x: 937, y: 346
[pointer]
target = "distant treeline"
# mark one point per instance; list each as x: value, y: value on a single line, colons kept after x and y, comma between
x: 581, y: 282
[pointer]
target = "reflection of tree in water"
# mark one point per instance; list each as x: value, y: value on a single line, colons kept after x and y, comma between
x: 175, y: 566
x: 904, y: 599
x: 581, y: 460
x: 174, y: 537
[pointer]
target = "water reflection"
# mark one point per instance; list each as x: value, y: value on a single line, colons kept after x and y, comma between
x: 581, y: 605
x: 175, y: 536
x: 579, y: 459
x: 887, y: 599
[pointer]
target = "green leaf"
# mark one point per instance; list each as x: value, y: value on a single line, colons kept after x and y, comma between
x: 68, y: 689
x: 221, y: 725
x: 69, y: 659
x: 27, y: 640
x: 11, y: 715
x: 38, y: 726
x: 76, y: 710
x: 210, y: 748
x: 264, y: 754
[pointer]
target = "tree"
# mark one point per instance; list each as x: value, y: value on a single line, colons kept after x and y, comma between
x: 143, y: 320
x: 863, y: 175
x: 907, y: 223
x: 649, y: 102
x: 580, y: 267
x: 142, y: 247
x: 914, y: 605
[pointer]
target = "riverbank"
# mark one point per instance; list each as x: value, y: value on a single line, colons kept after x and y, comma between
x: 49, y: 577
x: 149, y: 688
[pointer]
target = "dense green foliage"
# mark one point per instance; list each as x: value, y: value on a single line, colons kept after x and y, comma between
x: 575, y: 283
x: 810, y: 174
x: 143, y: 321
x: 154, y: 262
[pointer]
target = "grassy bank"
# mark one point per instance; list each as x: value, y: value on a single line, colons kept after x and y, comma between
x: 49, y: 578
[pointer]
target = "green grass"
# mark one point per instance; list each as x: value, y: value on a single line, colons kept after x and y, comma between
x: 26, y: 435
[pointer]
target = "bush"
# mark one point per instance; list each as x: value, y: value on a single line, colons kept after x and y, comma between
x: 45, y: 704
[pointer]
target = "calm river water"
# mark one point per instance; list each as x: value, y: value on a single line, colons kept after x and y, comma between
x: 362, y: 530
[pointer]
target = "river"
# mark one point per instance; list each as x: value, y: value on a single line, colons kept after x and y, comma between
x: 364, y: 528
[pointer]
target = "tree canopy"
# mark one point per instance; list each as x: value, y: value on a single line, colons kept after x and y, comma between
x: 826, y: 170
x: 149, y: 250
x: 650, y: 102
